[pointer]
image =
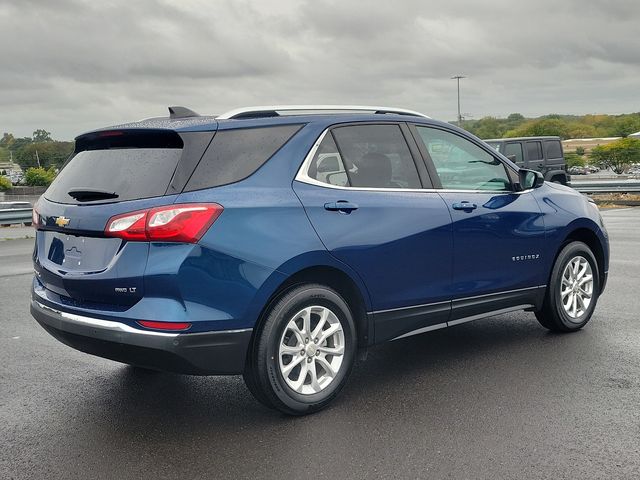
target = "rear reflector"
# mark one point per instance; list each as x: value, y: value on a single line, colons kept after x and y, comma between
x: 185, y: 223
x: 165, y: 325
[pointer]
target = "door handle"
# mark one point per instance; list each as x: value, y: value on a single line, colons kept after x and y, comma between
x: 341, y: 206
x: 466, y: 206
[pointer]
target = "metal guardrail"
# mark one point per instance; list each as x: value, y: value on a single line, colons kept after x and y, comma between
x: 11, y: 216
x: 624, y: 186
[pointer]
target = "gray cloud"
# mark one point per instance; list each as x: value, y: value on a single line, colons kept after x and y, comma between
x: 72, y: 65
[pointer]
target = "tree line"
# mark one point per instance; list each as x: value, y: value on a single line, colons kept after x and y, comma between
x: 39, y: 156
x: 564, y: 126
x: 39, y: 150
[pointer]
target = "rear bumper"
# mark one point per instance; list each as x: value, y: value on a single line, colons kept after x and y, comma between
x: 205, y: 353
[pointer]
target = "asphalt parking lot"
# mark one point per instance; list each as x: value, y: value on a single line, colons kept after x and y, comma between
x: 496, y: 398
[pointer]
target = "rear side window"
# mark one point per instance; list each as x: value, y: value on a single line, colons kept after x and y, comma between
x: 514, y: 149
x: 233, y: 155
x: 553, y: 149
x: 534, y: 151
x: 375, y: 156
x: 127, y: 173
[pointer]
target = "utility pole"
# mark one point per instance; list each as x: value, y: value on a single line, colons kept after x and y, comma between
x: 457, y: 78
x: 38, y: 159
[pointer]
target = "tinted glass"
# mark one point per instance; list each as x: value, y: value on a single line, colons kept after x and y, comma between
x: 130, y: 173
x: 376, y: 156
x: 516, y: 150
x: 497, y: 146
x: 461, y: 164
x: 233, y: 155
x: 326, y: 165
x: 534, y: 151
x: 554, y: 150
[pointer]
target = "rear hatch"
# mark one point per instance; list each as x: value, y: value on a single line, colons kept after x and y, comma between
x: 110, y: 173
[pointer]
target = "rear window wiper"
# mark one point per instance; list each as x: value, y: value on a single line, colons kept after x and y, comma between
x: 91, y: 194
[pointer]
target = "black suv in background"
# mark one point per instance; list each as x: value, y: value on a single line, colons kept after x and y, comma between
x: 543, y: 154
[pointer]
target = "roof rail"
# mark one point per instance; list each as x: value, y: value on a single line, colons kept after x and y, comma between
x: 272, y: 111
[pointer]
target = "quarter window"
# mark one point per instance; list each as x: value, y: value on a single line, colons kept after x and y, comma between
x: 461, y: 164
x: 235, y: 154
x: 553, y: 149
x: 327, y: 165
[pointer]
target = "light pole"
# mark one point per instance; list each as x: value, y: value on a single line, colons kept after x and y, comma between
x: 457, y: 78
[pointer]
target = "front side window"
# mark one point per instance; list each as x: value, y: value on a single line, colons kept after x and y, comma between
x: 461, y: 164
x: 514, y: 149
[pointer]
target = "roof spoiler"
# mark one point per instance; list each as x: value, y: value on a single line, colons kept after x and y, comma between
x: 181, y: 112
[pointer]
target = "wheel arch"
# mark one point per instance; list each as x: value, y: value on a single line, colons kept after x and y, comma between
x: 560, y: 175
x: 335, y: 278
x: 590, y: 238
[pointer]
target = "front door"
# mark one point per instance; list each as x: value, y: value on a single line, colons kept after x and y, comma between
x: 498, y: 232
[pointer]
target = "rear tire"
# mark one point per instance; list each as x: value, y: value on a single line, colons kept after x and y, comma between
x: 573, y: 290
x: 304, y: 352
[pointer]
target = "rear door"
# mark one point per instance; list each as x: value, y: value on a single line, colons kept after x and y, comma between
x: 553, y: 154
x: 534, y: 156
x: 363, y: 192
x: 498, y: 233
x: 111, y: 172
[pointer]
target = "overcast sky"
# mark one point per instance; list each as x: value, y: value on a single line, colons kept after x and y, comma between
x: 71, y: 65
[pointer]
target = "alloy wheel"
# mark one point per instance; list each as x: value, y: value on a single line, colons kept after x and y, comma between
x: 576, y: 287
x: 311, y: 350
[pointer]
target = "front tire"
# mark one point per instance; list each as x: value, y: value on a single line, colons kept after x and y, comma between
x: 573, y: 290
x: 304, y: 352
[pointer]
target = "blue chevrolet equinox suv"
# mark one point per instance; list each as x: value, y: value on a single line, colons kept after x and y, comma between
x: 281, y: 242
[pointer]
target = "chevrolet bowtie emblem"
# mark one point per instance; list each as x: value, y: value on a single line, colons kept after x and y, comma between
x: 62, y: 221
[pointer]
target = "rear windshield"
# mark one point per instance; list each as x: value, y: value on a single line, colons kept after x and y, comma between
x: 128, y: 173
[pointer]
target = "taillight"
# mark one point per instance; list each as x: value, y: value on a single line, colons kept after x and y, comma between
x: 35, y: 218
x: 172, y: 223
x: 174, y: 326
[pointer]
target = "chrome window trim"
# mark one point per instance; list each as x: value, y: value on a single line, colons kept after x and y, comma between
x: 302, y: 176
x: 314, y: 109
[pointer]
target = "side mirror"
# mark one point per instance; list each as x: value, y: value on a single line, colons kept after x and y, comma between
x: 529, y: 179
